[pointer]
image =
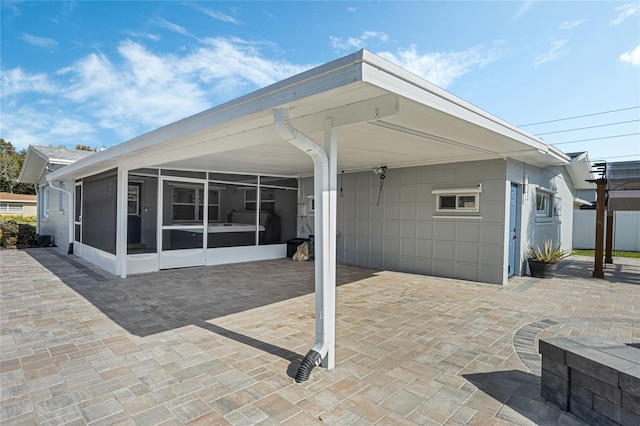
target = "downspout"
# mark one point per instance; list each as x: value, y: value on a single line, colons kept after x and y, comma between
x: 71, y: 196
x: 38, y: 203
x: 320, y: 189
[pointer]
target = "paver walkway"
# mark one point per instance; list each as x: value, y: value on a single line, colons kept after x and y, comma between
x: 220, y: 345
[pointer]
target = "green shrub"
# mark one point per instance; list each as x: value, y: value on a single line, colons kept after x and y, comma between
x: 13, y: 234
x: 26, y: 235
x: 9, y: 233
x: 17, y: 218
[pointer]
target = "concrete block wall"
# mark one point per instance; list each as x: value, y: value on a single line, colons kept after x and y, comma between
x: 595, y: 379
x: 405, y: 233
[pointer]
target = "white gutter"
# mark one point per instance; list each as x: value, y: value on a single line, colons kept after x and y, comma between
x: 324, y: 282
x: 38, y: 215
x: 52, y: 184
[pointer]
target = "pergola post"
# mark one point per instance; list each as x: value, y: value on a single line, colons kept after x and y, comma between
x: 598, y: 267
x: 608, y: 257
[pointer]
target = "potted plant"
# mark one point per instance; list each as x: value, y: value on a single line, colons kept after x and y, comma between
x: 544, y: 261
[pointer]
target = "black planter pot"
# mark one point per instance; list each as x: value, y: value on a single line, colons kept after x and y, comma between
x: 540, y: 269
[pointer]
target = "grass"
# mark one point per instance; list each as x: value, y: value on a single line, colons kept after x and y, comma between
x: 616, y: 253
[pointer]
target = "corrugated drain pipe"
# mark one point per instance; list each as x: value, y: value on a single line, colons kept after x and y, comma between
x: 321, y: 185
x: 52, y: 184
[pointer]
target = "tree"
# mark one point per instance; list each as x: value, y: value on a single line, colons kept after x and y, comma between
x: 10, y: 165
x: 82, y: 147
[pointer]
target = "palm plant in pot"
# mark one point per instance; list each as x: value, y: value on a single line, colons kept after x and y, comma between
x: 543, y: 261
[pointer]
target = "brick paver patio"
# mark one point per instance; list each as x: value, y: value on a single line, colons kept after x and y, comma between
x: 220, y: 345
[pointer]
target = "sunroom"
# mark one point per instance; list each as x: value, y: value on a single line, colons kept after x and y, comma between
x: 180, y: 218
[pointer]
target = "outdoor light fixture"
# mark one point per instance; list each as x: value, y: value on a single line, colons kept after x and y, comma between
x: 525, y: 188
x: 380, y: 170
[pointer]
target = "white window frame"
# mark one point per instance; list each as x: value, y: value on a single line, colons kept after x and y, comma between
x: 547, y: 203
x: 263, y: 200
x: 11, y: 208
x: 61, y: 203
x: 44, y: 209
x: 459, y: 194
x: 216, y: 205
x: 197, y: 202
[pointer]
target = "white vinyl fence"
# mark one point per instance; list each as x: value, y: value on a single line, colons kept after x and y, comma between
x: 626, y: 230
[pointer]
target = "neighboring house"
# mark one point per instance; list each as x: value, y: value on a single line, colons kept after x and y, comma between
x: 17, y: 204
x: 384, y: 168
x: 53, y: 203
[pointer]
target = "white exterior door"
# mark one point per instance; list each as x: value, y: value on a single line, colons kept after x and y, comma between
x: 182, y: 233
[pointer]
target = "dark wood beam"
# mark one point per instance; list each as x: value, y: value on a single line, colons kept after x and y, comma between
x: 598, y: 264
x: 608, y: 252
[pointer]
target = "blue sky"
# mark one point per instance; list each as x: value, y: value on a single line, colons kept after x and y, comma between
x: 100, y: 73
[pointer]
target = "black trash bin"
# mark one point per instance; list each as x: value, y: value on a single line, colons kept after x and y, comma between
x: 292, y: 246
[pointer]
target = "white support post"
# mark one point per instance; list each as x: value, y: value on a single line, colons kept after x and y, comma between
x: 329, y: 279
x: 121, y: 221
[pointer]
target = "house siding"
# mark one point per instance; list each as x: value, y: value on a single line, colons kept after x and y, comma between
x: 57, y: 223
x: 405, y: 233
x: 559, y: 226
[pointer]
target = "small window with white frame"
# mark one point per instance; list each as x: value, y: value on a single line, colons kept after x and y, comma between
x: 61, y: 202
x: 44, y: 208
x: 11, y: 208
x: 544, y: 203
x: 458, y: 200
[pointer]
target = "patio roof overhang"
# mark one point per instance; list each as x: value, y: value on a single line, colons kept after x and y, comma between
x: 384, y: 115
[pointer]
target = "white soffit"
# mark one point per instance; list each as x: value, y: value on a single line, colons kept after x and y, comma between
x: 428, y: 126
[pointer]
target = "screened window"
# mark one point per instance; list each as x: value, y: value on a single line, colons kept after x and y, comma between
x: 44, y: 208
x: 457, y: 202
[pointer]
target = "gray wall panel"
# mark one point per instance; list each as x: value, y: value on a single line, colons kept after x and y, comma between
x: 405, y: 233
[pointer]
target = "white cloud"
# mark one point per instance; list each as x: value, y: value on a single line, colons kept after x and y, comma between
x: 26, y: 126
x: 143, y: 91
x: 624, y: 12
x: 163, y: 23
x: 219, y: 15
x: 132, y: 92
x: 357, y: 42
x: 567, y: 25
x: 522, y: 10
x: 15, y: 81
x: 556, y: 50
x: 45, y: 43
x: 441, y: 68
x: 233, y: 63
x: 632, y: 57
x: 148, y: 36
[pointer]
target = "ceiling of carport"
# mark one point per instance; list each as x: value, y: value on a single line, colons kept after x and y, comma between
x: 417, y: 135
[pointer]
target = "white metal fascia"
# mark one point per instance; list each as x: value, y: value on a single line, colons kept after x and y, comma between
x: 381, y: 73
x: 582, y: 202
x: 579, y: 170
x: 24, y: 163
x: 333, y: 75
